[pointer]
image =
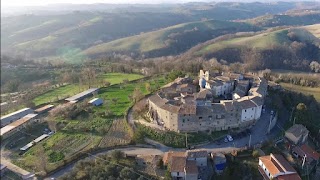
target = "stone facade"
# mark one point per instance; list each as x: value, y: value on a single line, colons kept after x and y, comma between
x: 178, y: 107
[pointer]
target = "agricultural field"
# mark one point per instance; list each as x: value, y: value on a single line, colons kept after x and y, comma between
x: 72, y: 89
x: 120, y: 133
x: 57, y: 94
x: 304, y: 90
x: 116, y: 78
x: 103, y: 125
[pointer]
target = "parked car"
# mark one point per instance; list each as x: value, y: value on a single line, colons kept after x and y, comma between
x: 50, y: 133
x: 229, y: 138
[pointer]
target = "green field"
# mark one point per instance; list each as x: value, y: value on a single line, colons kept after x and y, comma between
x: 167, y: 38
x: 72, y: 89
x: 84, y: 131
x: 304, y: 90
x: 57, y: 93
x: 116, y: 78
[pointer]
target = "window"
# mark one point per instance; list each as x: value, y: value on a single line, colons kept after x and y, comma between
x: 209, y: 116
x: 252, y: 108
x: 183, y: 120
x: 200, y: 117
x: 245, y: 110
x: 177, y: 173
x: 218, y: 122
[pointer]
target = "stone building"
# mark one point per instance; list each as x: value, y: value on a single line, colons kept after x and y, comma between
x: 178, y: 107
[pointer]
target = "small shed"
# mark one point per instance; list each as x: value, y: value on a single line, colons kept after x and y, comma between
x: 220, y: 162
x: 96, y: 101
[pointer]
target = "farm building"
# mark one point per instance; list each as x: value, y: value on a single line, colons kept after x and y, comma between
x: 96, y: 101
x: 10, y: 129
x: 44, y: 109
x: 82, y: 95
x: 220, y: 162
x: 38, y: 139
x: 7, y: 119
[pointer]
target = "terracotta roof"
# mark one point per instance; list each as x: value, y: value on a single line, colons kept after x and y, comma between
x: 177, y: 164
x: 191, y: 167
x: 308, y: 151
x: 197, y: 154
x: 276, y: 163
x: 168, y: 155
x: 289, y: 177
x: 297, y: 130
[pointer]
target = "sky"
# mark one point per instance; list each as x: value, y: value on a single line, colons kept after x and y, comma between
x: 15, y: 3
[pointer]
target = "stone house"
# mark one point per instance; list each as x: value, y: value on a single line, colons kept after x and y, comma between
x: 297, y: 134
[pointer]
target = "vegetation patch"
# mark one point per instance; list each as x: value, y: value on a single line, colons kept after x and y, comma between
x: 174, y: 139
x: 315, y: 92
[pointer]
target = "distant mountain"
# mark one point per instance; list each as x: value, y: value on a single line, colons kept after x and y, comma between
x: 293, y: 18
x: 54, y: 31
x: 285, y: 48
x: 168, y: 41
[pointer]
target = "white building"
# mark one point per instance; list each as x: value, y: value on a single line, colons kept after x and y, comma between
x: 276, y: 167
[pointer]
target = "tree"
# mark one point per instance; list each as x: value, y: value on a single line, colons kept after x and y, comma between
x: 126, y: 173
x: 116, y: 155
x: 255, y: 153
x: 302, y: 116
x: 137, y: 95
x: 106, y: 83
x: 148, y: 87
x: 315, y: 66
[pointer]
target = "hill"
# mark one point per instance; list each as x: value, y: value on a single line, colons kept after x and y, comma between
x: 314, y: 29
x: 169, y: 41
x: 50, y: 35
x: 292, y: 18
x: 285, y: 48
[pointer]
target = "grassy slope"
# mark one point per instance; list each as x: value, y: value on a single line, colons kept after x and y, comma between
x: 157, y: 39
x: 304, y: 90
x: 69, y: 90
x: 289, y: 19
x: 314, y: 29
x: 261, y: 41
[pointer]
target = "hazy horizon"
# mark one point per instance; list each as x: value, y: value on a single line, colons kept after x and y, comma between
x: 22, y: 3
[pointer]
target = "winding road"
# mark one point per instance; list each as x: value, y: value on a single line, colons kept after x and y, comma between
x: 258, y: 135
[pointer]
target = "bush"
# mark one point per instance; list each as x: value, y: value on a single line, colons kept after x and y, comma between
x: 255, y: 153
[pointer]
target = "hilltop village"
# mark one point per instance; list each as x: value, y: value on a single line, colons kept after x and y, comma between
x: 221, y: 102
